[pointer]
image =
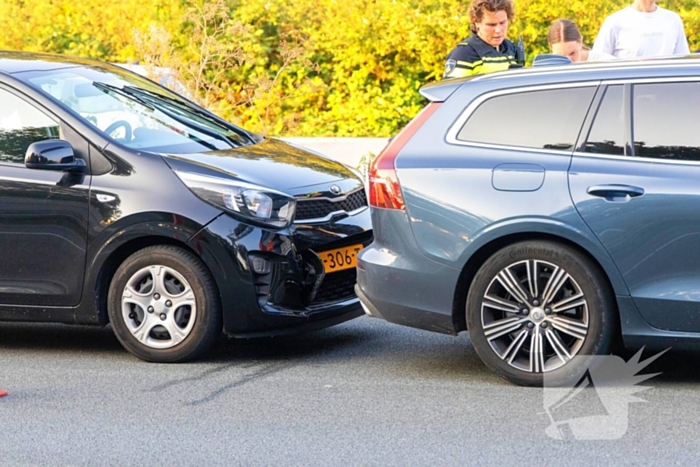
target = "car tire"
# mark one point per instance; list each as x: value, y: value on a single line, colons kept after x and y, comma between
x: 163, y: 305
x: 535, y: 305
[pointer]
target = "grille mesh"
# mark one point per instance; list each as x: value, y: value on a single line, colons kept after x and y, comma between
x: 337, y: 286
x: 318, y: 209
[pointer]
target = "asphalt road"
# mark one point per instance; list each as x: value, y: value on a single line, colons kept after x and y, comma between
x: 362, y: 393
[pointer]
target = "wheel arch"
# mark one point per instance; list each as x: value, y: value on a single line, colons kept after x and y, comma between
x: 611, y: 278
x: 118, y: 256
x: 117, y: 241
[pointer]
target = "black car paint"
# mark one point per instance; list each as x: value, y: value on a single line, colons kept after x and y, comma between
x: 127, y: 199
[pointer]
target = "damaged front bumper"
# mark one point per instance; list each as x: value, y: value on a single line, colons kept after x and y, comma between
x: 274, y: 282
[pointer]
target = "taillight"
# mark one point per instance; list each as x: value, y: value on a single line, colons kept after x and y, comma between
x: 384, y: 188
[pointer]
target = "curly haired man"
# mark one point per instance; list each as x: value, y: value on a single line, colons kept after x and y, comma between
x: 487, y: 49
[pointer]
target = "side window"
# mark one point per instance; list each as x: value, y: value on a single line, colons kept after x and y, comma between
x: 607, y: 135
x: 548, y: 119
x: 665, y: 116
x: 21, y: 124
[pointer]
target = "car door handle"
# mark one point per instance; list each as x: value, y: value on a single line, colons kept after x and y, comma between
x: 615, y: 192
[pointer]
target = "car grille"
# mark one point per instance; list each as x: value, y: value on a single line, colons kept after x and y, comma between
x: 337, y: 286
x: 320, y: 209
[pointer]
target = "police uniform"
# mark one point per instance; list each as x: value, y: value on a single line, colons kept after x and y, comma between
x: 473, y: 56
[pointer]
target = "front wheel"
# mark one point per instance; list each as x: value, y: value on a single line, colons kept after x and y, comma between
x: 536, y: 305
x: 163, y: 305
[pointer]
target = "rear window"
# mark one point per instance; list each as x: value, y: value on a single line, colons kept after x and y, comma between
x: 545, y: 119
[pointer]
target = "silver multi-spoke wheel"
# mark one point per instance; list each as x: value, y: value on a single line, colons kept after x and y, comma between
x: 159, y: 307
x: 164, y: 305
x: 534, y: 316
x: 536, y: 305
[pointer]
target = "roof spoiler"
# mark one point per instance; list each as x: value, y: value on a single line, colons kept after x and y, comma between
x: 439, y: 91
x: 551, y: 60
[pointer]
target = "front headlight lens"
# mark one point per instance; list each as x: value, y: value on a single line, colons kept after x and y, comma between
x: 256, y: 202
x: 260, y: 205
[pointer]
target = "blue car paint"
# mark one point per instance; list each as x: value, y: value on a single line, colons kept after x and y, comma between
x: 518, y: 177
x: 460, y: 199
x: 652, y: 238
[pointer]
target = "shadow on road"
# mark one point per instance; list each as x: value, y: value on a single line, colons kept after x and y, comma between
x: 674, y: 366
x: 399, y: 351
x: 57, y: 337
x: 327, y: 343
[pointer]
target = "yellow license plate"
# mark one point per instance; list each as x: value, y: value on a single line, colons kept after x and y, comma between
x: 340, y: 258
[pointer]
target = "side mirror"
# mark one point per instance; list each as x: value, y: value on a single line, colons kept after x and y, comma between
x: 53, y: 154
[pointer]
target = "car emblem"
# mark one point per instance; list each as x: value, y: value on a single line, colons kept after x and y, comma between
x: 335, y: 189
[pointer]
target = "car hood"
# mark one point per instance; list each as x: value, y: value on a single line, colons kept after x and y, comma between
x: 271, y: 163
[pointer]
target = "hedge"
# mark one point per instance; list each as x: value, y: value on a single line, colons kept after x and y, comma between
x: 311, y: 68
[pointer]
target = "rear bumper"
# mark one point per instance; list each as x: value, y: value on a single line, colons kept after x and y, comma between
x: 405, y: 315
x: 367, y: 306
x: 396, y: 282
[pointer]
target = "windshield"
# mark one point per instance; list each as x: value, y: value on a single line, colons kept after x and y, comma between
x: 138, y: 113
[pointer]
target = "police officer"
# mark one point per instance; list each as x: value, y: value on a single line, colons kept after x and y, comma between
x: 487, y: 49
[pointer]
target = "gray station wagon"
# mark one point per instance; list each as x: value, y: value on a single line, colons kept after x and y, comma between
x: 552, y: 212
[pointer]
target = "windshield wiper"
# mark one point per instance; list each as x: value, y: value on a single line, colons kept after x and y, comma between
x: 189, y: 123
x: 110, y: 89
x: 208, y: 116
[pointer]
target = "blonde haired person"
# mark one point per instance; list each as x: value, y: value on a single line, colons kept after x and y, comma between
x: 565, y: 39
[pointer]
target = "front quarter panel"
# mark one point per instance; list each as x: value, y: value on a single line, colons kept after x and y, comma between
x: 136, y: 205
x: 127, y: 199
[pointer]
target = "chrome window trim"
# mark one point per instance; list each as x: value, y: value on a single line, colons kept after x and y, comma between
x: 649, y: 160
x: 512, y: 148
x: 330, y: 216
x: 676, y: 79
x: 452, y: 133
x: 32, y: 181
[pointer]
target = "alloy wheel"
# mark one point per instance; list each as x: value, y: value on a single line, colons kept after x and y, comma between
x: 535, y: 316
x: 158, y: 307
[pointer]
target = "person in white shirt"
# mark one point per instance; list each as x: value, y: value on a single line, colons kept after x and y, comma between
x: 565, y: 39
x: 643, y: 29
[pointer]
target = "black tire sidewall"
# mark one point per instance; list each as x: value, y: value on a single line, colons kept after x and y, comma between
x: 584, y: 271
x: 207, y: 324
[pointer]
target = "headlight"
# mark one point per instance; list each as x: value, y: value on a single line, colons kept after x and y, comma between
x: 252, y: 203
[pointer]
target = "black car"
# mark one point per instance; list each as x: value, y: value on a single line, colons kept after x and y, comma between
x: 122, y: 202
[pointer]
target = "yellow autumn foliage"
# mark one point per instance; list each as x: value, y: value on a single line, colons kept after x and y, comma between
x: 318, y: 67
x: 101, y: 29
